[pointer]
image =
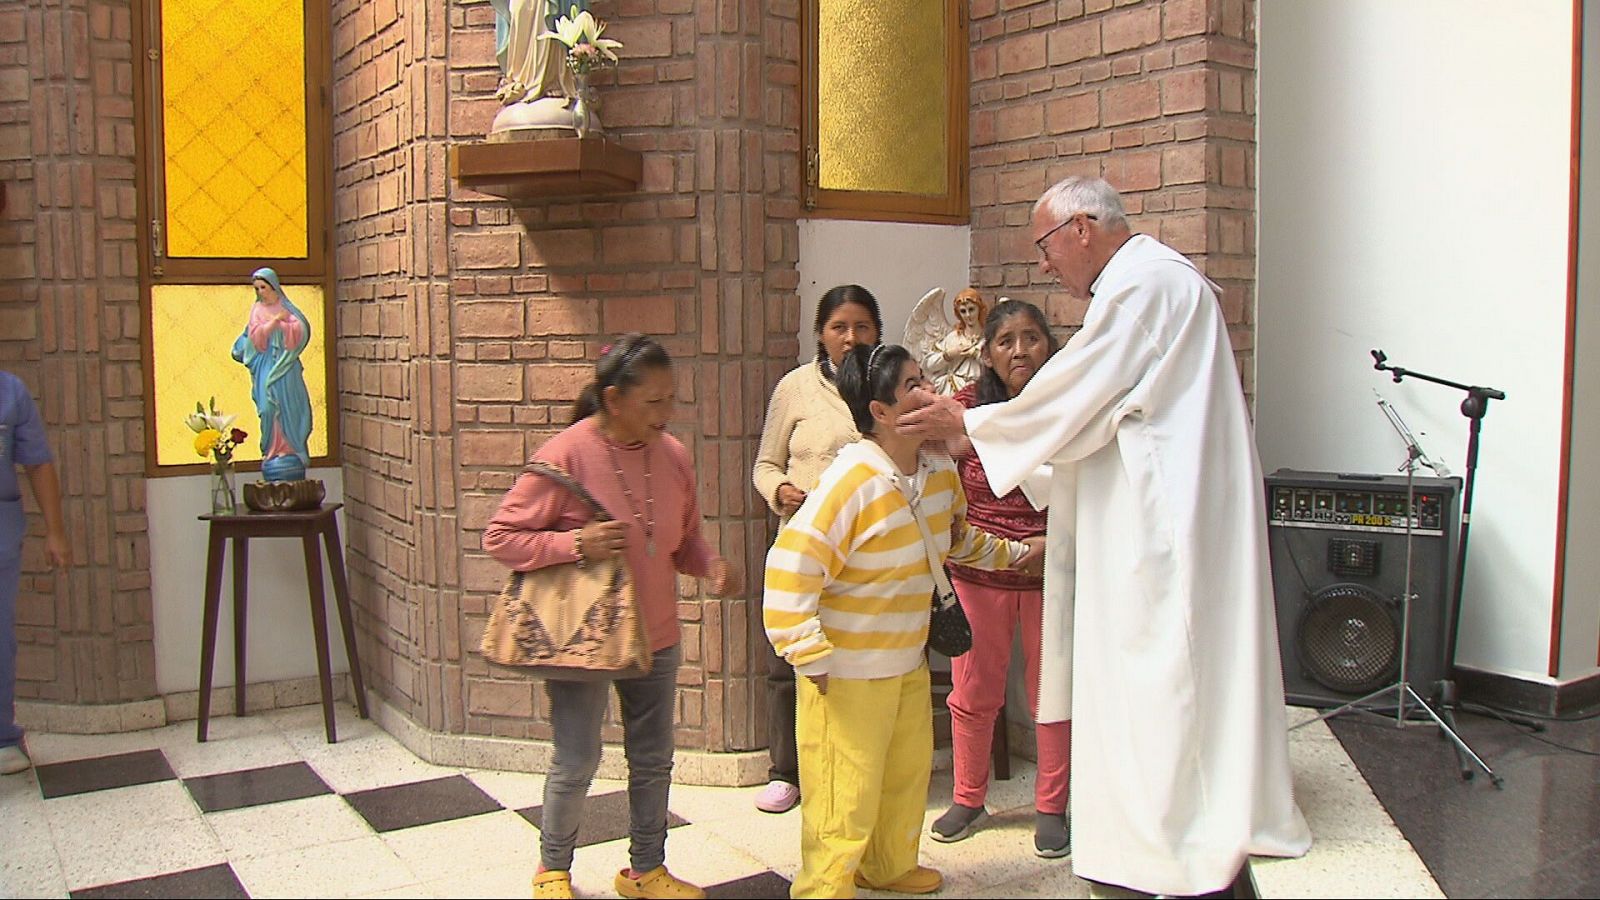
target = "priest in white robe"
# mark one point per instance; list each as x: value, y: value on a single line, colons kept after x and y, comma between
x: 1180, y: 765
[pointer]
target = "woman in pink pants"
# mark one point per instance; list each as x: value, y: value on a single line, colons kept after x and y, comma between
x: 1017, y: 341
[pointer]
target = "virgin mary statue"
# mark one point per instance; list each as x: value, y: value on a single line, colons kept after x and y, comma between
x: 270, y: 347
x: 535, y: 83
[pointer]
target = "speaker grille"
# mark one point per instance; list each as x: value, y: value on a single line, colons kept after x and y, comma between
x: 1351, y: 558
x: 1348, y: 639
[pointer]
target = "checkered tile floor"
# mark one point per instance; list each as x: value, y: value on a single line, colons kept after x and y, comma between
x: 267, y: 808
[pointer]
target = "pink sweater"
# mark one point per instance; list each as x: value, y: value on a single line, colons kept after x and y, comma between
x: 533, y: 527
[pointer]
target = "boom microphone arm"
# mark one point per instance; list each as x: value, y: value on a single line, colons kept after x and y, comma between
x: 1477, y: 402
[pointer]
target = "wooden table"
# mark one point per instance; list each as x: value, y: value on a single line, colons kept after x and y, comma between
x: 307, y: 525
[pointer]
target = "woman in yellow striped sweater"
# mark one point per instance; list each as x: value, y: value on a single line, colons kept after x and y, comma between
x: 847, y: 599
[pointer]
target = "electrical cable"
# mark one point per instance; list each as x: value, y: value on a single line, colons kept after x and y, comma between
x: 1475, y: 707
x: 1497, y: 710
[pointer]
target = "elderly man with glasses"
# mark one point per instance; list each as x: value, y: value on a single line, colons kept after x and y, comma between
x: 1137, y: 436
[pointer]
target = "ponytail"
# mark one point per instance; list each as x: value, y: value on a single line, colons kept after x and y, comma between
x: 620, y: 365
x: 867, y: 374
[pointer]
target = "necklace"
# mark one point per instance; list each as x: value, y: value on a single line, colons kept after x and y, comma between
x: 647, y: 519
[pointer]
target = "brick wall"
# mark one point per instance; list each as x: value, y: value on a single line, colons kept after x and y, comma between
x: 1156, y: 96
x: 69, y: 326
x: 468, y: 324
x: 390, y: 257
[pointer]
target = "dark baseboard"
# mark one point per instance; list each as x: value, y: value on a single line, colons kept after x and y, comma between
x: 1507, y: 692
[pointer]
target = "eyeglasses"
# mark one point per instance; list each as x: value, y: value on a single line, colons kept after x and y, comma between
x: 1064, y: 223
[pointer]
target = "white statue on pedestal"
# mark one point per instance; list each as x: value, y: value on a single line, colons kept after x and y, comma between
x: 536, y: 84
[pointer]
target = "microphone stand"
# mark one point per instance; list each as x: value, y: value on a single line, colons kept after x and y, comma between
x: 1403, y: 688
x: 1475, y: 406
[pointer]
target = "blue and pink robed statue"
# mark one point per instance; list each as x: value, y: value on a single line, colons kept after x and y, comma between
x: 270, y: 347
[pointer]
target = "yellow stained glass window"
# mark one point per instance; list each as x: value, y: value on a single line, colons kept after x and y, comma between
x: 193, y: 328
x: 882, y: 101
x: 233, y: 107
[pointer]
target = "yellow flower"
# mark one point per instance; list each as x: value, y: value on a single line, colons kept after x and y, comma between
x: 206, y: 440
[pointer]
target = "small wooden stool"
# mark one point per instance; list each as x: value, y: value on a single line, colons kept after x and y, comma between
x: 307, y: 525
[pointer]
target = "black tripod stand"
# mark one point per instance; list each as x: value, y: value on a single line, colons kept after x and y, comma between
x: 1403, y: 689
x: 1474, y: 407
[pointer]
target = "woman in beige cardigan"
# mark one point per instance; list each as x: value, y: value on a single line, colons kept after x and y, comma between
x: 807, y: 423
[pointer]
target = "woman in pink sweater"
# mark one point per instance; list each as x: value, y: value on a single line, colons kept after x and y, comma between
x: 618, y: 448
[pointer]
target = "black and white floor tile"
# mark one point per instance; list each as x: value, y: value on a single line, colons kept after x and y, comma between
x: 267, y: 808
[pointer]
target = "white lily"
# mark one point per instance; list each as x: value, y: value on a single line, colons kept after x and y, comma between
x: 606, y: 45
x: 568, y: 31
x: 581, y: 27
x: 197, y: 422
x: 586, y: 25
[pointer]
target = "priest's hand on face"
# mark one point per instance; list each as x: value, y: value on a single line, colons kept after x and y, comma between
x: 932, y: 416
x: 1032, y: 562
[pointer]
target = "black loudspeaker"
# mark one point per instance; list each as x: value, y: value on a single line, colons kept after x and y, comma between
x: 1338, y: 548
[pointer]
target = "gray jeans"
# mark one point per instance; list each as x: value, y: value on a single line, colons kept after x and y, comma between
x: 576, y: 711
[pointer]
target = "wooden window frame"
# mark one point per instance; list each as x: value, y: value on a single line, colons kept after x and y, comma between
x: 954, y: 206
x: 155, y: 268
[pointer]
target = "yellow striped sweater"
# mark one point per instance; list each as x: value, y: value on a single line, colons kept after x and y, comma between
x: 847, y: 584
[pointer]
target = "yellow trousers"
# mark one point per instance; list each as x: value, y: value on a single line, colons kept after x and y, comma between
x: 866, y: 753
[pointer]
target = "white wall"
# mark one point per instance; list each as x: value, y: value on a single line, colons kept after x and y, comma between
x: 1580, y: 630
x: 897, y: 262
x: 278, y: 619
x: 1413, y: 195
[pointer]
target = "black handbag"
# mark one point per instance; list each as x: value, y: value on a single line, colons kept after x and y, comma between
x: 949, y: 632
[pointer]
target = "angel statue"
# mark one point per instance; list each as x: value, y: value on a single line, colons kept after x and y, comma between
x: 535, y: 83
x: 951, y: 352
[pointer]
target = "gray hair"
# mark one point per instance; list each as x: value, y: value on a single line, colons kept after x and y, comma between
x: 1077, y: 194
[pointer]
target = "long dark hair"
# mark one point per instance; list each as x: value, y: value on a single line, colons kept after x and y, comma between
x: 991, y: 388
x: 622, y: 365
x: 830, y: 303
x: 867, y: 374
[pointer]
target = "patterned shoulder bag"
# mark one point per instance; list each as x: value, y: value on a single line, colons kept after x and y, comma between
x: 568, y: 622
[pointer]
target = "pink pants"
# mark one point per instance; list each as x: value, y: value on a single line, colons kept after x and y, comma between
x: 978, y: 679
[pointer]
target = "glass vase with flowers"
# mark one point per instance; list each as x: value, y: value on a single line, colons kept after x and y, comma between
x: 215, y: 439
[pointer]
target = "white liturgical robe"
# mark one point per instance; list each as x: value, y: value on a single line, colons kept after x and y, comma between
x: 1180, y: 761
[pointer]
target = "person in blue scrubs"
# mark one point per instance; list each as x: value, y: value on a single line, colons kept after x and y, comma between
x: 22, y: 444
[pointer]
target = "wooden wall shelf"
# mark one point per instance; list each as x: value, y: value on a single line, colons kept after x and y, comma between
x: 530, y: 170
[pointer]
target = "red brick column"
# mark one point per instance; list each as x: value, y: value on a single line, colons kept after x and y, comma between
x: 468, y: 324
x: 1158, y: 97
x: 394, y: 345
x: 69, y: 326
x: 746, y: 183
